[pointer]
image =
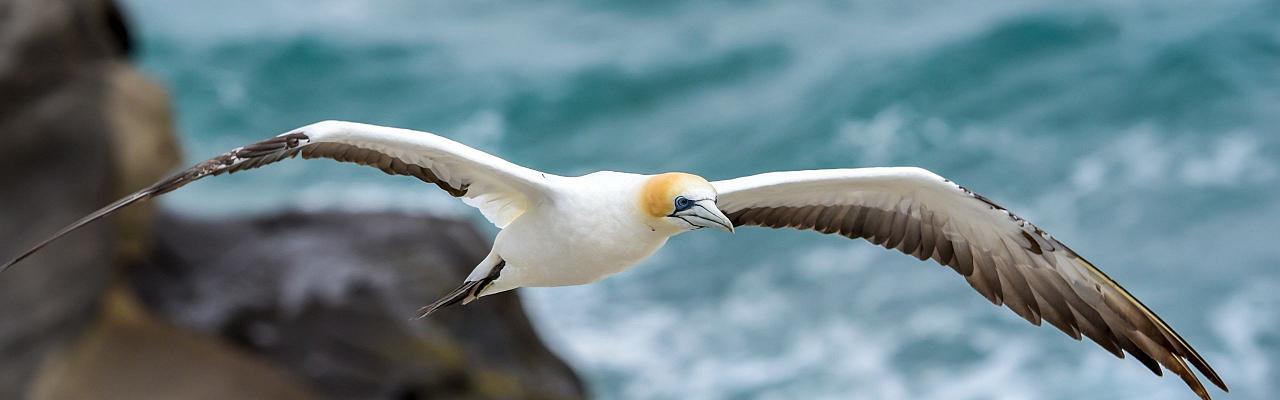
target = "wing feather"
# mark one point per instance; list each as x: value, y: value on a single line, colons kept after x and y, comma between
x: 1007, y: 259
x: 501, y: 190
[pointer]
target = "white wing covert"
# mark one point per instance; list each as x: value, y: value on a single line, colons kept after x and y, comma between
x: 1004, y: 257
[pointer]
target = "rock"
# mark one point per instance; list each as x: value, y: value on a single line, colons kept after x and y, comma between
x: 82, y: 127
x: 296, y: 306
x: 144, y: 149
x: 55, y: 58
x: 128, y: 354
x: 330, y: 296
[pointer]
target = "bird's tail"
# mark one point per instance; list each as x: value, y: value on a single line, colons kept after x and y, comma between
x: 464, y: 294
x: 459, y: 295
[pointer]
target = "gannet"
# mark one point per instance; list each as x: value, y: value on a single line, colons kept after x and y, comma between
x: 559, y: 230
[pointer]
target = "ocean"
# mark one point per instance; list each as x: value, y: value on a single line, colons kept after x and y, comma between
x: 1144, y: 134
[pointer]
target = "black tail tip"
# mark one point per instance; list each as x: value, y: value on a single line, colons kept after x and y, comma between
x: 431, y: 309
x: 455, y: 297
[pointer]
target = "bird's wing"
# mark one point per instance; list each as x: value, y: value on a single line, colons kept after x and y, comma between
x: 1004, y: 257
x: 500, y: 189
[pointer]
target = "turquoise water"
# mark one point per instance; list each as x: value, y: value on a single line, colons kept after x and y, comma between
x: 1144, y: 134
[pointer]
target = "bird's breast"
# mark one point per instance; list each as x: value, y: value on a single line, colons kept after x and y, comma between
x: 575, y: 244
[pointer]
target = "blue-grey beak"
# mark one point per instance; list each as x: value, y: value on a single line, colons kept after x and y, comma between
x: 705, y: 214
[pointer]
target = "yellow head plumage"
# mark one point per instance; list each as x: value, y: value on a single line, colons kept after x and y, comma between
x: 657, y: 194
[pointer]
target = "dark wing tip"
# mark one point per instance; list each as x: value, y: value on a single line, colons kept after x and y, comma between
x: 932, y: 244
x: 15, y: 260
x: 1179, y: 348
x: 94, y: 216
x: 213, y: 166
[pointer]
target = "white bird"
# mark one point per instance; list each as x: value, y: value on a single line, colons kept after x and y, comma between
x: 558, y: 230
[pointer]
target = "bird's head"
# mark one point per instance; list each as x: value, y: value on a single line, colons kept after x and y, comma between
x: 679, y: 202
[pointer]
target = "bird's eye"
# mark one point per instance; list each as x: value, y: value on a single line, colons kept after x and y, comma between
x: 683, y: 203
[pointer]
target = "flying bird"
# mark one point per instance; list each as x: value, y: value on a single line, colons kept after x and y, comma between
x: 559, y: 230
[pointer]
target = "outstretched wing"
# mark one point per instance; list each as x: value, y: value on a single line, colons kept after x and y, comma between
x: 500, y: 189
x: 1004, y: 257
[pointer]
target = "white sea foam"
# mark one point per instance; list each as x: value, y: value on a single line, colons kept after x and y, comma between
x: 1247, y: 325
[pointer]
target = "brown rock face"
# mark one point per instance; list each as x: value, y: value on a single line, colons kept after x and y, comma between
x: 330, y: 296
x: 128, y: 354
x: 54, y: 166
x: 289, y: 307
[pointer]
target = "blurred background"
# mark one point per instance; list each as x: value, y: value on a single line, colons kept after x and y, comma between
x: 1143, y: 134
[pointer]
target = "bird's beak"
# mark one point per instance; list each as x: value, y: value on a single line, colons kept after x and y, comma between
x: 704, y: 213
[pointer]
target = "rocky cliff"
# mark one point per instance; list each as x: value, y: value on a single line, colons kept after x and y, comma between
x: 331, y: 297
x: 291, y: 306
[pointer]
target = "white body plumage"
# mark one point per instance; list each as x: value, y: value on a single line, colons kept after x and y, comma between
x: 590, y: 227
